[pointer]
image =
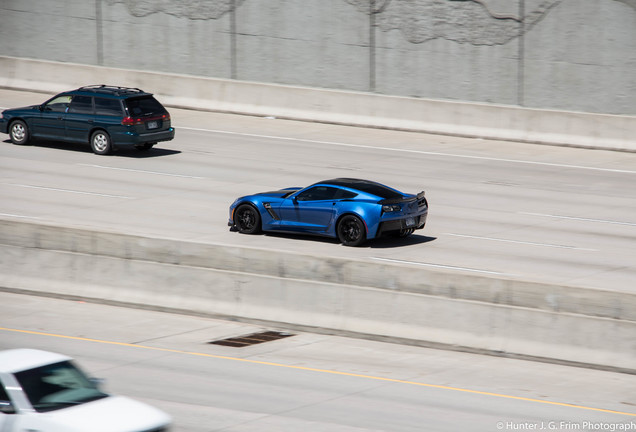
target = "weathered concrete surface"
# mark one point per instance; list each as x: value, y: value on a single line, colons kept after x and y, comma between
x: 381, y: 300
x: 339, y: 107
x: 575, y: 55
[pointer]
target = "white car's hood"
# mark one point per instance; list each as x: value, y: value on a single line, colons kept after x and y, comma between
x: 111, y: 414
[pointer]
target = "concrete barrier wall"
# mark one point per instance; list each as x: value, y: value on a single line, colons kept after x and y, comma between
x: 575, y: 55
x: 350, y: 108
x: 379, y: 300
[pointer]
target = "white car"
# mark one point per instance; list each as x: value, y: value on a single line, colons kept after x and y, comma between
x: 42, y: 391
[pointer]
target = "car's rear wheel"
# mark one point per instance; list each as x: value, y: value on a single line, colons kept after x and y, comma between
x: 19, y: 132
x: 100, y: 143
x: 144, y: 147
x: 247, y: 219
x: 351, y: 231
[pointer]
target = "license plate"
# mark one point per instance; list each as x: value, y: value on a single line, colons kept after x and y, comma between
x: 152, y: 124
x: 410, y: 222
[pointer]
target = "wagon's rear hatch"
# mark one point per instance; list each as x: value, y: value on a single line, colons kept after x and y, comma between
x: 147, y: 114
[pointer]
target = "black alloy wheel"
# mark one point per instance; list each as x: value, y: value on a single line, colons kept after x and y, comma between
x: 247, y: 219
x: 351, y: 231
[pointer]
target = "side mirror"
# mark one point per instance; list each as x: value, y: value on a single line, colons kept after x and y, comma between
x: 97, y: 382
x: 6, y: 407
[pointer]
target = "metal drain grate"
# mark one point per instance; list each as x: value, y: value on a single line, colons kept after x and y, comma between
x: 251, y: 339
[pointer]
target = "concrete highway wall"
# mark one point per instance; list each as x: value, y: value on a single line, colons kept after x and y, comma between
x: 574, y: 55
x: 352, y: 108
x: 351, y: 297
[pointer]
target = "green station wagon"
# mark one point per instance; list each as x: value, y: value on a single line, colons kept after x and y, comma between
x: 106, y: 117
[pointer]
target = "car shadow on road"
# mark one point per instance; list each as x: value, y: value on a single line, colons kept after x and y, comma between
x: 379, y: 243
x: 393, y: 242
x: 85, y: 148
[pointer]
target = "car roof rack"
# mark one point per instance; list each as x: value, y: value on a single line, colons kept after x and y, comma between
x: 109, y: 89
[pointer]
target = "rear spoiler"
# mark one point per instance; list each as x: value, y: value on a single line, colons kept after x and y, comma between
x: 419, y: 197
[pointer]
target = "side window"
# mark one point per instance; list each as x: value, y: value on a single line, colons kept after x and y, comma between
x: 110, y: 107
x: 81, y: 105
x: 5, y: 402
x: 58, y: 104
x: 318, y: 193
x: 344, y: 194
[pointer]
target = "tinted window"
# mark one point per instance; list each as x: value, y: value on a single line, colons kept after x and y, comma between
x: 105, y: 106
x: 3, y: 394
x: 318, y: 193
x: 81, y: 104
x: 370, y: 187
x: 144, y: 106
x: 344, y: 194
x: 58, y: 104
x: 57, y: 386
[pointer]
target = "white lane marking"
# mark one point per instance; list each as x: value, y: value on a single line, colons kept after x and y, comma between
x: 521, y: 242
x: 580, y: 219
x: 141, y: 171
x: 363, y: 146
x: 18, y: 216
x: 69, y: 191
x: 449, y: 267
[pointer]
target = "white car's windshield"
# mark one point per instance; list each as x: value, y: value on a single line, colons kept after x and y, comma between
x: 57, y: 386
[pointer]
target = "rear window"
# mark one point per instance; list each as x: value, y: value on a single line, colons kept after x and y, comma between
x: 144, y: 106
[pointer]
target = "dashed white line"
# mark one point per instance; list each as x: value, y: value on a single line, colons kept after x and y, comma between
x: 69, y: 191
x: 141, y: 171
x: 414, y: 151
x: 448, y: 267
x: 580, y: 219
x: 520, y: 242
x: 18, y: 216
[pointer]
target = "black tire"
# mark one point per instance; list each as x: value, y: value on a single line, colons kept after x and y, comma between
x: 100, y: 143
x: 19, y: 132
x: 351, y: 231
x: 144, y: 147
x: 247, y: 219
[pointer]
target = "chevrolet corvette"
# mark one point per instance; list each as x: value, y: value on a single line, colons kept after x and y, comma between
x: 350, y: 210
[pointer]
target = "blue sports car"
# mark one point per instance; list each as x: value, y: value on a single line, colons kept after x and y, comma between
x: 350, y: 210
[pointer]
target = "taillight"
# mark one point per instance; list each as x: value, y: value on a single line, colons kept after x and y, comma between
x: 131, y: 121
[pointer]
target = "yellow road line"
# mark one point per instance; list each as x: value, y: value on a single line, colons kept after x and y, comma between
x: 371, y: 377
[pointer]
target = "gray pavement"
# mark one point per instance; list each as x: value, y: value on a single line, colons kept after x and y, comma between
x: 517, y: 211
x: 311, y: 382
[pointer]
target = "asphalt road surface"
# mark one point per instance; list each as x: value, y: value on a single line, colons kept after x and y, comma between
x: 511, y: 210
x: 312, y: 383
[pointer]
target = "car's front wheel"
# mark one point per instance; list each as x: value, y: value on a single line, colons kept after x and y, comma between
x: 100, y: 143
x: 351, y: 231
x: 19, y: 132
x: 247, y: 219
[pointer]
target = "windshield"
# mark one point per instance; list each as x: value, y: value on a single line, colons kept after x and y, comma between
x: 57, y: 386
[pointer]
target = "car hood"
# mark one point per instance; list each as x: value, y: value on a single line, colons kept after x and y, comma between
x: 26, y: 108
x: 111, y: 414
